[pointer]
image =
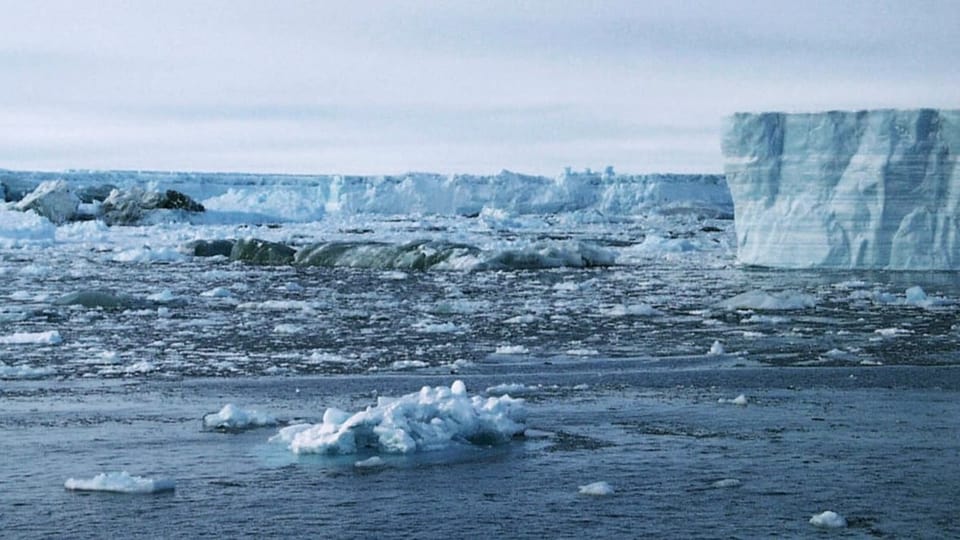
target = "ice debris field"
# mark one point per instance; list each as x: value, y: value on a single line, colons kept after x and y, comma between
x: 638, y: 346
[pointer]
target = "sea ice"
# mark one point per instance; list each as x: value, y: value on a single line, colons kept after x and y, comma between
x: 727, y: 483
x: 740, y: 400
x: 598, y: 489
x: 370, y: 463
x: 50, y: 337
x: 431, y: 419
x: 716, y: 349
x: 233, y: 418
x: 762, y: 300
x: 511, y: 349
x: 828, y: 520
x: 24, y: 372
x: 121, y: 482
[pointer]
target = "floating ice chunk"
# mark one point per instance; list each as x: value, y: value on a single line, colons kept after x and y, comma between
x: 233, y: 418
x: 121, y: 482
x: 892, y: 332
x: 438, y: 328
x: 395, y: 275
x: 24, y: 371
x: 582, y: 352
x: 50, y: 337
x: 511, y: 388
x: 285, y: 328
x: 727, y: 483
x: 217, y: 292
x: 149, y: 255
x: 598, y: 489
x: 828, y: 520
x: 636, y: 310
x: 163, y: 297
x: 716, y: 349
x: 762, y: 300
x: 370, y: 463
x: 521, y: 319
x: 140, y: 367
x: 407, y: 364
x: 740, y: 400
x: 279, y: 305
x: 431, y: 419
x: 511, y: 349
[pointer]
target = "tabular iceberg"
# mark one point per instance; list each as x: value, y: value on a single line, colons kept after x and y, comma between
x: 864, y: 189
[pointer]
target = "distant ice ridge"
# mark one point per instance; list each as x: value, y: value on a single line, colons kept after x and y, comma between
x: 865, y: 189
x: 246, y: 197
x: 432, y: 419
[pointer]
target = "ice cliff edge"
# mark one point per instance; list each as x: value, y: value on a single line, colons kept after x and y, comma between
x: 838, y: 189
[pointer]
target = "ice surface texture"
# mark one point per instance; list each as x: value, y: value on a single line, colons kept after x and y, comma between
x: 865, y: 189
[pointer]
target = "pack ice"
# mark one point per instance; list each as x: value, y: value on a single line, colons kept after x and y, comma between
x: 864, y: 189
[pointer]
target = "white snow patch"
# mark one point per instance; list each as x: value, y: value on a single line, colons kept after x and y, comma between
x: 598, y: 489
x: 233, y: 418
x: 828, y: 520
x: 121, y: 482
x: 433, y: 418
x: 50, y: 337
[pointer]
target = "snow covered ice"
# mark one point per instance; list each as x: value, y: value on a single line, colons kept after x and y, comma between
x: 431, y: 419
x: 865, y: 189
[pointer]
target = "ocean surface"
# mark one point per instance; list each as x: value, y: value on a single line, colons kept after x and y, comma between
x: 718, y: 401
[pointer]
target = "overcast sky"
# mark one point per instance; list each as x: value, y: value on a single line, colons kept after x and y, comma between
x: 446, y: 86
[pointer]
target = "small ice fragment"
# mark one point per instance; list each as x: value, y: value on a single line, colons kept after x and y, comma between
x: 120, y: 482
x: 727, y: 483
x: 598, y: 489
x: 716, y: 349
x: 163, y: 297
x: 233, y: 418
x: 511, y: 349
x: 740, y: 400
x: 828, y: 520
x: 369, y: 463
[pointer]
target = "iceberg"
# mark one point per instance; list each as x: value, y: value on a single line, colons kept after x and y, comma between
x: 875, y: 189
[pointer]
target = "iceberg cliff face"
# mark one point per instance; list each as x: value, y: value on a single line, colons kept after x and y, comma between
x: 865, y: 189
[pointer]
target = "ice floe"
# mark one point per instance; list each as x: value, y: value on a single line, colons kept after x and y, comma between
x: 50, y: 337
x: 597, y: 489
x: 121, y: 482
x: 740, y: 400
x: 778, y: 301
x: 828, y: 520
x: 233, y: 418
x: 432, y: 419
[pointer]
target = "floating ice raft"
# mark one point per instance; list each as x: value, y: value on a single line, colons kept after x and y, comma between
x: 121, y: 482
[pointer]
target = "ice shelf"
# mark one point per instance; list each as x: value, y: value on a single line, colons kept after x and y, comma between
x: 839, y: 189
